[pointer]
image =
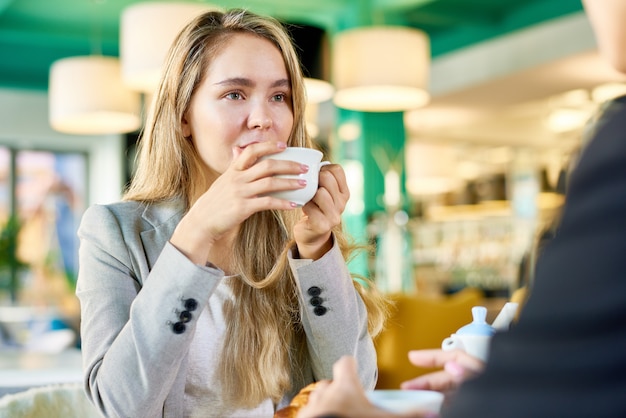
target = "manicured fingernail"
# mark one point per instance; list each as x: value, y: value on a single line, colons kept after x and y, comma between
x: 281, y: 145
x: 304, y: 168
x: 302, y: 182
x: 294, y: 204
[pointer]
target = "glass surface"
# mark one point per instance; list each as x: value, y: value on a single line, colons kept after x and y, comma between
x: 7, y: 241
x: 50, y: 192
x: 5, y: 184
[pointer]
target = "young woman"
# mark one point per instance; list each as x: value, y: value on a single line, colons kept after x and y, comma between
x: 200, y: 295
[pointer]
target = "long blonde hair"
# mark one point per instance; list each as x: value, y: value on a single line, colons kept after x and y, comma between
x: 264, y: 343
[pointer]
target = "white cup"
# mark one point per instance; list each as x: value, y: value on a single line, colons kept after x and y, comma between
x: 308, y: 156
x: 474, y: 345
x: 404, y: 401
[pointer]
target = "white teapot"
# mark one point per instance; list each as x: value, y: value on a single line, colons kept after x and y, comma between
x: 473, y: 338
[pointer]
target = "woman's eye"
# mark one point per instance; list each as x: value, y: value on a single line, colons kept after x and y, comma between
x: 234, y: 96
x: 281, y: 97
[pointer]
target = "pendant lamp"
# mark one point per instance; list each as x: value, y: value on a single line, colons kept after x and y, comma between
x: 381, y: 69
x: 317, y: 90
x: 608, y: 91
x: 87, y: 96
x: 430, y: 168
x: 147, y: 30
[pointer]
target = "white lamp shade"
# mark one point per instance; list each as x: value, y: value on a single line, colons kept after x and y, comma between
x: 430, y: 168
x: 608, y: 91
x: 87, y: 96
x: 381, y: 69
x: 147, y: 30
x: 567, y: 119
x: 318, y: 91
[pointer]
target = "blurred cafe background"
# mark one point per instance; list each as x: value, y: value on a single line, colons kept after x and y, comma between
x: 454, y: 120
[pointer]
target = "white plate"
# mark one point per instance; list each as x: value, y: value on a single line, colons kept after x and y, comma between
x: 400, y: 401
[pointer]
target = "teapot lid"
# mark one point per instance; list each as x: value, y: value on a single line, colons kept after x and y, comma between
x: 479, y: 325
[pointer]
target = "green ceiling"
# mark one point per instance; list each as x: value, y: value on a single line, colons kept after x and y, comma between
x: 35, y: 33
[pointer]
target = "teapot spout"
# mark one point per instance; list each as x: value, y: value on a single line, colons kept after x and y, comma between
x: 505, y: 317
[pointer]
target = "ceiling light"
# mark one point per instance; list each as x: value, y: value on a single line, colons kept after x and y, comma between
x: 87, y: 96
x: 318, y: 91
x: 147, y: 31
x: 469, y: 170
x: 573, y: 98
x: 381, y: 69
x: 608, y: 91
x: 567, y: 119
x: 430, y: 169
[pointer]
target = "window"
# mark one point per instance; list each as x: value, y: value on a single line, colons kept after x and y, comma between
x: 45, y: 193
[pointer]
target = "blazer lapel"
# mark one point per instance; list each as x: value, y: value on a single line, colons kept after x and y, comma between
x: 163, y: 218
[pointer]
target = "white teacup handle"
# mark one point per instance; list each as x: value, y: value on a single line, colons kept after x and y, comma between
x: 323, y: 163
x: 451, y: 344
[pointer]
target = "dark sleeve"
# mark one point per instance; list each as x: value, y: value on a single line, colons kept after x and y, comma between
x: 566, y: 356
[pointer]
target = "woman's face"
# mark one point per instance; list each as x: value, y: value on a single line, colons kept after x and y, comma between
x: 245, y: 97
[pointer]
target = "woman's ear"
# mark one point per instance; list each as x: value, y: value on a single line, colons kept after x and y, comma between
x: 186, y: 126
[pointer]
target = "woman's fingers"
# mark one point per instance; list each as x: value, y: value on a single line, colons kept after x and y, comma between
x: 331, y: 198
x: 333, y: 179
x: 439, y: 381
x: 439, y: 358
x: 344, y: 396
x: 345, y: 372
x: 244, y: 158
x: 456, y: 364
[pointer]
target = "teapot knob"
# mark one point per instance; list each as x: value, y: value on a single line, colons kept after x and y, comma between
x: 479, y: 314
x: 479, y: 325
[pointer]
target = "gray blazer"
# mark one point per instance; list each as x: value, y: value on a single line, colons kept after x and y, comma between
x: 133, y: 286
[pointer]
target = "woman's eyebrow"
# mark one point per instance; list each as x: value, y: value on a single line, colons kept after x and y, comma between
x: 283, y: 82
x: 246, y: 82
x: 235, y: 81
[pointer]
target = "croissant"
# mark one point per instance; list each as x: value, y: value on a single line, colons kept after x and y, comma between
x: 298, y: 401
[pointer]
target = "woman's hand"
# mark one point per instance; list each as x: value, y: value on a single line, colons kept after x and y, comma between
x: 313, y: 232
x: 457, y: 367
x: 343, y: 397
x: 234, y: 196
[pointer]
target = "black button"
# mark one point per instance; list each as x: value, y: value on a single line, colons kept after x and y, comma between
x: 191, y: 304
x: 178, y: 328
x: 319, y: 310
x: 316, y: 301
x: 314, y: 291
x: 185, y: 316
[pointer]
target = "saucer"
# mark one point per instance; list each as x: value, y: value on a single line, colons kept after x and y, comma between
x: 401, y: 401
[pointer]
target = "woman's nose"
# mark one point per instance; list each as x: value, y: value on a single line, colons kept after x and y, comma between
x: 259, y: 117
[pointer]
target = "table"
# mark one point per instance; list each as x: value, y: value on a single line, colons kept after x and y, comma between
x: 20, y: 370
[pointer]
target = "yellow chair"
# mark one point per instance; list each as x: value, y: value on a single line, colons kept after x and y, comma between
x: 419, y: 322
x: 519, y: 296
